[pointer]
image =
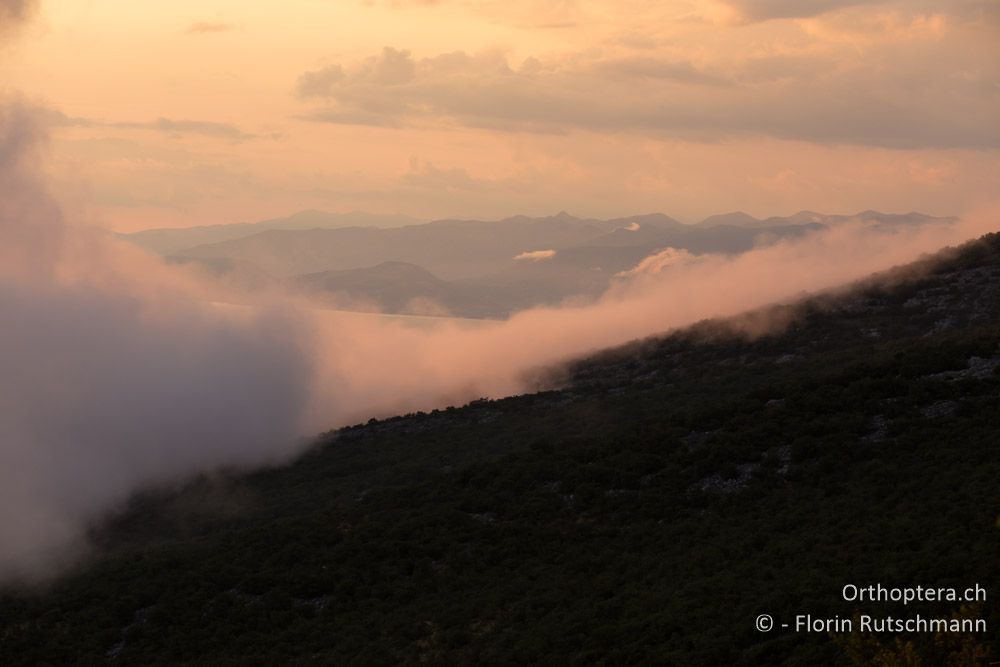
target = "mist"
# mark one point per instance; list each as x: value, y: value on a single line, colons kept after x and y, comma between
x: 116, y: 374
x: 375, y: 366
x: 120, y: 373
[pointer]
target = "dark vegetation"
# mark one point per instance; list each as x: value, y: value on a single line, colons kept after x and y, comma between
x: 644, y: 513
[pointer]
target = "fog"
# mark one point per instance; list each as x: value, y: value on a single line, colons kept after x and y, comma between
x: 116, y: 374
x: 120, y: 373
x: 382, y: 366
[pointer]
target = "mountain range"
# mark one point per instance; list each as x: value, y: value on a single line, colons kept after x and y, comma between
x: 166, y: 241
x: 469, y: 268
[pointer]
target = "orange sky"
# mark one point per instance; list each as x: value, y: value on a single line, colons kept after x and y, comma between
x: 181, y: 113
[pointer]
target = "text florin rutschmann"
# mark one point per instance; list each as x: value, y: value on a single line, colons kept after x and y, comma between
x: 907, y: 595
x: 962, y: 621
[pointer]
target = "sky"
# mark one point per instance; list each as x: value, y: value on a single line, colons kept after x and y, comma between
x: 216, y: 111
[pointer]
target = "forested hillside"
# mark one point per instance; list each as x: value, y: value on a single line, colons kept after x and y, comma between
x: 646, y: 510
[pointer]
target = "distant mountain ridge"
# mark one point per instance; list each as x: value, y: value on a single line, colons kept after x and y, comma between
x: 456, y: 248
x: 170, y: 241
x: 167, y: 241
x: 741, y: 219
x: 467, y: 267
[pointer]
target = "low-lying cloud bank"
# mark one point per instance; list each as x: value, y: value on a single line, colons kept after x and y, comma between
x: 119, y: 373
x: 384, y: 366
x: 116, y: 373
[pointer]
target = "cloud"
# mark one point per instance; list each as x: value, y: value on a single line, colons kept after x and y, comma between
x: 350, y: 117
x: 395, y: 368
x: 57, y: 118
x: 120, y: 374
x: 320, y: 82
x: 15, y: 12
x: 658, y: 262
x: 535, y: 255
x: 204, y: 28
x: 183, y: 127
x: 764, y: 10
x: 533, y: 14
x: 893, y: 97
x: 116, y: 373
x: 750, y: 11
x: 651, y: 69
x: 391, y: 67
x: 172, y: 127
x: 427, y: 175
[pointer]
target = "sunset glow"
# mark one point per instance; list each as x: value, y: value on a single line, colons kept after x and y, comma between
x: 184, y: 113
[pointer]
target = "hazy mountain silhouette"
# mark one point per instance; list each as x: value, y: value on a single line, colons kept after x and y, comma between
x: 735, y: 219
x: 476, y: 268
x: 170, y: 240
x: 747, y: 221
x: 448, y: 248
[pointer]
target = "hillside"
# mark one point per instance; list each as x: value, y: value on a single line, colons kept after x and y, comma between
x: 642, y: 508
